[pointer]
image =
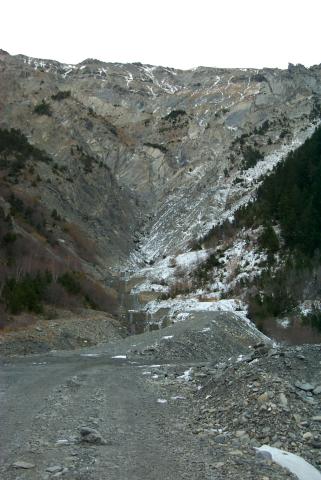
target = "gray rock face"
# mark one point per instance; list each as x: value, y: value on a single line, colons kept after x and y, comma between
x: 307, y: 387
x: 163, y: 143
x: 54, y: 469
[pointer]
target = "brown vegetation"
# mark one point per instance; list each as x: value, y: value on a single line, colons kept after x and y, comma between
x: 85, y: 247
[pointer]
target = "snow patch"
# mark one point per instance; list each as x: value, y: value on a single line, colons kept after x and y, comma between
x: 90, y: 355
x: 62, y: 441
x: 307, y: 307
x: 182, y: 316
x: 295, y: 464
x: 177, y: 305
x: 187, y: 375
x: 283, y: 322
x: 205, y: 330
x: 164, y: 270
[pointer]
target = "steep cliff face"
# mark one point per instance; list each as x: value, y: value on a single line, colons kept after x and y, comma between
x: 76, y: 182
x: 167, y: 137
x: 150, y: 193
x: 145, y: 160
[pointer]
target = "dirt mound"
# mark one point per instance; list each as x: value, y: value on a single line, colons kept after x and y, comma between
x: 67, y: 331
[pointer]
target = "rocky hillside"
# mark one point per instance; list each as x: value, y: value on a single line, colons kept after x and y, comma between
x: 187, y: 200
x: 127, y: 167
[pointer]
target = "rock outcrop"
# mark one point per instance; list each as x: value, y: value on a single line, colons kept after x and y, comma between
x: 145, y: 146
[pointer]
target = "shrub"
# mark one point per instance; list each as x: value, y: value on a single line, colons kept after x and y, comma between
x: 181, y: 287
x: 15, y: 151
x: 55, y: 215
x: 32, y: 213
x: 202, y: 273
x: 43, y: 108
x: 99, y: 297
x: 175, y: 119
x: 70, y: 282
x: 25, y: 294
x: 251, y: 157
x: 9, y: 237
x: 277, y: 294
x: 84, y: 245
x: 17, y: 205
x: 87, y: 162
x: 88, y: 302
x: 57, y: 296
x: 263, y: 128
x: 160, y: 147
x: 4, y: 318
x: 313, y: 319
x: 195, y: 245
x: 175, y: 115
x: 61, y: 95
x: 172, y: 263
x: 284, y: 133
x: 269, y: 240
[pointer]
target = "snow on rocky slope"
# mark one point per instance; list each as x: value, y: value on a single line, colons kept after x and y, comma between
x: 209, y: 206
x: 167, y: 148
x: 240, y: 261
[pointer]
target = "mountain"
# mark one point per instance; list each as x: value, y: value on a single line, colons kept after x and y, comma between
x: 118, y: 183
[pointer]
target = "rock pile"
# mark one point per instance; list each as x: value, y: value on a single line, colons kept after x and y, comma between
x: 271, y: 396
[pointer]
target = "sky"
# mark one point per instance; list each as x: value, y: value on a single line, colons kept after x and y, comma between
x: 175, y: 33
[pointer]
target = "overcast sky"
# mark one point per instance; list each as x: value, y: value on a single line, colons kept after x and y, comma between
x: 176, y: 33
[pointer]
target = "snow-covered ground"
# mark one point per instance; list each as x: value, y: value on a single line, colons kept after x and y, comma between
x: 179, y: 309
x: 309, y: 306
x: 177, y: 305
x: 165, y: 270
x: 239, y: 259
x: 242, y: 260
x: 191, y: 211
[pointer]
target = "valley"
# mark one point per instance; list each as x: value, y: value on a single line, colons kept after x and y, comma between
x: 159, y: 271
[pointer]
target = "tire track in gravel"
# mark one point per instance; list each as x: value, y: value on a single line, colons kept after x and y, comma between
x: 49, y: 398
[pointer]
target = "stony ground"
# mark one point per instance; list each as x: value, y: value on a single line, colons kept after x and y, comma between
x: 132, y: 436
x: 64, y: 331
x: 271, y: 396
x: 85, y: 414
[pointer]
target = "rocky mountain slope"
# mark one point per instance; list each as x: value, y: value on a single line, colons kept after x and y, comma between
x: 161, y: 132
x: 143, y: 161
x: 142, y: 191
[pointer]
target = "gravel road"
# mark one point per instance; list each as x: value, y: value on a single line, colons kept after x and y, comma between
x: 46, y: 400
x: 49, y: 401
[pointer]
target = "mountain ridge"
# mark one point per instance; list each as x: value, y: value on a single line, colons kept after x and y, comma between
x: 146, y: 159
